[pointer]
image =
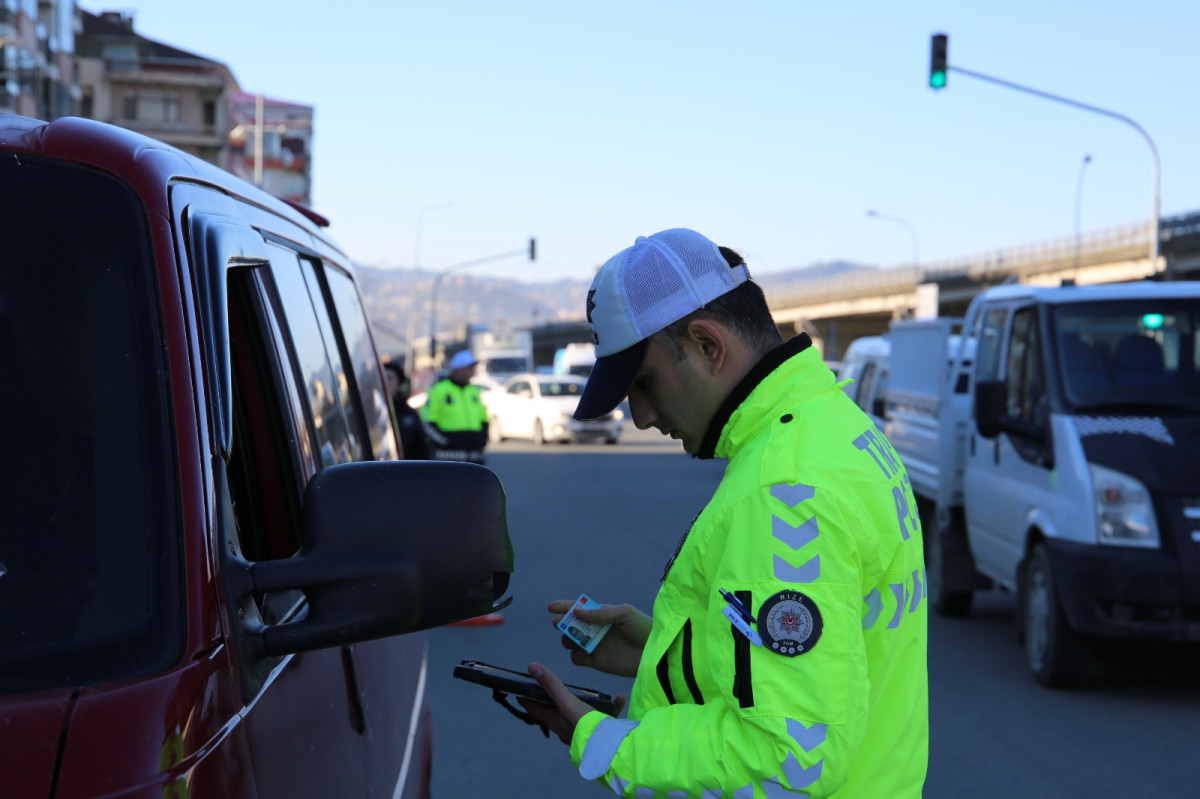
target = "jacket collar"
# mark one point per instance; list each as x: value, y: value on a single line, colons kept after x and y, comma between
x: 769, y: 363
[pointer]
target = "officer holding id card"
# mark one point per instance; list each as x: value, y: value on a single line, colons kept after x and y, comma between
x: 786, y: 654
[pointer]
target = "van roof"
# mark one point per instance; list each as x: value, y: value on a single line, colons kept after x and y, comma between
x: 147, y: 164
x: 1061, y: 295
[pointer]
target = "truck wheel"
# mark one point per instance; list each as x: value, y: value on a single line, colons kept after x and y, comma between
x: 539, y: 435
x: 943, y: 602
x: 1052, y: 648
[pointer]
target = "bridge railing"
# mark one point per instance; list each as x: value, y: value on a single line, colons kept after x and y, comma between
x: 1127, y: 241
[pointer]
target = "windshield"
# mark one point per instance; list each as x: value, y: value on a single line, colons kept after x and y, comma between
x: 1132, y: 355
x: 88, y: 580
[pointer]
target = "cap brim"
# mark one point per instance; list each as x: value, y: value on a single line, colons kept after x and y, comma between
x: 610, y: 381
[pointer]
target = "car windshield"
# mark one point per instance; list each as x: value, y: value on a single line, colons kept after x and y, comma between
x: 560, y: 388
x: 1135, y: 356
x: 88, y: 576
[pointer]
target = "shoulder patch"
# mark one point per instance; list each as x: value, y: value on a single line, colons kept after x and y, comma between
x: 789, y: 623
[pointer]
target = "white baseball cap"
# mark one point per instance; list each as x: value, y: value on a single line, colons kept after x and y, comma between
x: 638, y: 292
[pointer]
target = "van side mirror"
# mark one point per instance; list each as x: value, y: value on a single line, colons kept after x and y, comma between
x: 989, y: 406
x: 991, y: 414
x: 387, y: 547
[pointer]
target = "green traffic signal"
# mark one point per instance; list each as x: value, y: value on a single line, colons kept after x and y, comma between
x: 938, y: 47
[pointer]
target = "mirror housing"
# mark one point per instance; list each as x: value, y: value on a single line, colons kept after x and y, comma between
x: 991, y: 416
x: 387, y: 547
x: 989, y: 406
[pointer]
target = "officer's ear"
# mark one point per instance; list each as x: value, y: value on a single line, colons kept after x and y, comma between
x: 709, y: 340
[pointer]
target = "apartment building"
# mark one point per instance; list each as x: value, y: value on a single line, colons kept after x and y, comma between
x: 154, y: 88
x: 37, y: 74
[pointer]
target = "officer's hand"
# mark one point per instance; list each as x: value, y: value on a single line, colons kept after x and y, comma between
x: 567, y: 710
x: 621, y: 648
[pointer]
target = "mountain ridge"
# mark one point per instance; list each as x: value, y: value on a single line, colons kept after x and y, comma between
x: 505, y: 303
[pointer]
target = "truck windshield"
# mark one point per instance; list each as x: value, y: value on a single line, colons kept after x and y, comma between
x: 504, y: 364
x: 1139, y: 356
x: 88, y: 583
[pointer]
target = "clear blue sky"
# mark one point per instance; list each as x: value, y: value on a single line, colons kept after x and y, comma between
x: 769, y: 125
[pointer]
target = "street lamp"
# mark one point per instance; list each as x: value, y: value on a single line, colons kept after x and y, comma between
x: 912, y: 233
x: 1087, y: 159
x: 531, y: 251
x: 410, y: 355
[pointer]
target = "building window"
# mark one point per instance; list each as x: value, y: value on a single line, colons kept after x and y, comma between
x: 152, y: 107
x: 210, y: 114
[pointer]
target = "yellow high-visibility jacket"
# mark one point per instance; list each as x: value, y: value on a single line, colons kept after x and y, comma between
x: 814, y: 528
x: 454, y: 408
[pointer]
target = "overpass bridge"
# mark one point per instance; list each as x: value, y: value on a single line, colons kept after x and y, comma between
x: 837, y: 309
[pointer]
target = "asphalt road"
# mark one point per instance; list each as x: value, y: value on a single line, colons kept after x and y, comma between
x: 603, y: 520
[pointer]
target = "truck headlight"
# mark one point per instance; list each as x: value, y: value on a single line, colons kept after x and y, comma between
x: 1124, y: 513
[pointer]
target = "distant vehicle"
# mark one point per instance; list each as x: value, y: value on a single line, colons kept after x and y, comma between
x: 502, y: 355
x: 577, y: 358
x: 214, y: 568
x: 1054, y: 455
x: 539, y: 407
x: 866, y: 363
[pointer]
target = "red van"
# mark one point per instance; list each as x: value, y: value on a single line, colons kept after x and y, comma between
x: 213, y: 565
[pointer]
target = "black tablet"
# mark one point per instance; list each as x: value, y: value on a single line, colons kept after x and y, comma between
x: 521, y: 684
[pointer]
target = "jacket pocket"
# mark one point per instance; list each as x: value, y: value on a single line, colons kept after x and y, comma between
x: 676, y: 666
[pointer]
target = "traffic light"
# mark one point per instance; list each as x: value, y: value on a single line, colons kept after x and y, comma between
x: 532, y: 249
x: 937, y: 61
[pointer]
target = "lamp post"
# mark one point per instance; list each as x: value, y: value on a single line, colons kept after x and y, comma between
x: 1087, y: 159
x: 912, y: 233
x: 410, y: 350
x: 531, y: 251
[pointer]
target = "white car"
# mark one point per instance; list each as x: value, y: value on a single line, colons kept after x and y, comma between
x: 540, y: 407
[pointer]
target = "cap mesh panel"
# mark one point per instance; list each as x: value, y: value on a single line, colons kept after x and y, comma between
x: 660, y: 292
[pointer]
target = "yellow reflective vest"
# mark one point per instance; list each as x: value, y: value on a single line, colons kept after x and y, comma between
x: 814, y: 529
x: 454, y: 408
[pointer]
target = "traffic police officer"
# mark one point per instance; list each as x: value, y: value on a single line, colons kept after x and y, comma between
x: 454, y: 415
x: 786, y: 654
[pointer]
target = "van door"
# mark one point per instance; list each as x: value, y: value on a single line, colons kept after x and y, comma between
x: 316, y: 725
x: 1008, y: 479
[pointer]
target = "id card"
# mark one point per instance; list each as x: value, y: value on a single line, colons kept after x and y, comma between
x: 586, y: 634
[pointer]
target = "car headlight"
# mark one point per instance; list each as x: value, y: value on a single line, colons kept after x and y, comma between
x: 1124, y: 513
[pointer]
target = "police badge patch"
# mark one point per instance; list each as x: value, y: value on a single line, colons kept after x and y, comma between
x: 789, y: 623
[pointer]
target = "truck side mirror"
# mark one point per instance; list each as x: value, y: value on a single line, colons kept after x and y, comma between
x: 989, y: 406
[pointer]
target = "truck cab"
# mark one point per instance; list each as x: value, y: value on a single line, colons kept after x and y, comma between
x: 1062, y: 469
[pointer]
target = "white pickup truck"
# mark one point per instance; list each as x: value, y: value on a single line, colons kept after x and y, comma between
x: 1056, y: 453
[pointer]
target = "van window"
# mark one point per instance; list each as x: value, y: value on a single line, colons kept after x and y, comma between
x: 1027, y: 401
x: 89, y: 565
x: 991, y: 335
x: 363, y: 367
x: 337, y: 441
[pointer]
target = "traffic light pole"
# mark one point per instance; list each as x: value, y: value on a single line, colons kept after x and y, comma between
x: 1154, y: 233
